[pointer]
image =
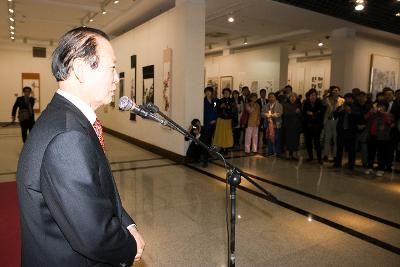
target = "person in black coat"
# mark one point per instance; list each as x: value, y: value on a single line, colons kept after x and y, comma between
x: 262, y: 102
x: 196, y: 152
x: 70, y: 209
x: 313, y: 117
x: 26, y: 116
x: 346, y: 131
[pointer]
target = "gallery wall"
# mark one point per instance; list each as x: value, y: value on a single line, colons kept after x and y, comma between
x: 363, y: 49
x: 304, y: 73
x: 260, y: 65
x: 182, y: 30
x: 19, y: 60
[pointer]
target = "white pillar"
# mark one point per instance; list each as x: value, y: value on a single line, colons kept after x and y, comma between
x: 190, y: 62
x: 343, y: 42
x: 283, y: 68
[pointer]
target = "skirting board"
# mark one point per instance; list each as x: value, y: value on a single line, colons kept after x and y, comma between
x: 152, y: 148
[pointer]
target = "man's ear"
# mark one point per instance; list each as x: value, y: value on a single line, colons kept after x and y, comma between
x: 79, y: 69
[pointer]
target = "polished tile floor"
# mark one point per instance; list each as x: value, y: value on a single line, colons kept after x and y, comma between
x: 324, y: 217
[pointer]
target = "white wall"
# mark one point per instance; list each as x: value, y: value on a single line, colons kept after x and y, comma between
x: 254, y: 64
x: 363, y: 50
x: 13, y: 62
x: 301, y: 73
x: 182, y: 29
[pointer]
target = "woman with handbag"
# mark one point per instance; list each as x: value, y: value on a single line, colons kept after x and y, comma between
x: 26, y: 116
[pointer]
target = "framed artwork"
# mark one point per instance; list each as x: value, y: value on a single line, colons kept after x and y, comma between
x: 384, y: 73
x: 254, y: 87
x: 167, y: 82
x: 148, y: 84
x: 213, y: 82
x: 121, y: 87
x: 132, y: 116
x: 269, y: 86
x: 225, y: 82
x: 33, y: 81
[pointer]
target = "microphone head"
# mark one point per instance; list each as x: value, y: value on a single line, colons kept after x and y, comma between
x: 125, y: 103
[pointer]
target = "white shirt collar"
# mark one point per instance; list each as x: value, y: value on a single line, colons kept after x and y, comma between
x: 81, y: 105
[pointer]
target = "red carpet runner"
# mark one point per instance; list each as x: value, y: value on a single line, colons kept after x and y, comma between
x: 10, y: 245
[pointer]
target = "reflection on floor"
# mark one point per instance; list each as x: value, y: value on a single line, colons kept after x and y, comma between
x: 324, y: 217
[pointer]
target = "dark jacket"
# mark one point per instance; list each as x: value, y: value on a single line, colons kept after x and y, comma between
x: 318, y: 111
x: 71, y: 213
x: 359, y: 113
x: 21, y: 104
x: 347, y: 121
x: 226, y: 108
x: 210, y: 113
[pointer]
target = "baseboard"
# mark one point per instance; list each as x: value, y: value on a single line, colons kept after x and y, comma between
x: 149, y: 147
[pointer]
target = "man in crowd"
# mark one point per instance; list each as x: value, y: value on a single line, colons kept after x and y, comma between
x: 26, y: 115
x: 262, y: 103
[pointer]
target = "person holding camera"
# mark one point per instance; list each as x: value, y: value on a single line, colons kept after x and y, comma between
x: 26, y: 116
x: 346, y: 132
x: 195, y: 152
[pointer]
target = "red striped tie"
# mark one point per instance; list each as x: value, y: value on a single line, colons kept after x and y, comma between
x: 99, y: 132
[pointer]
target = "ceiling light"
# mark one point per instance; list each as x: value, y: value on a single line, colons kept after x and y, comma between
x: 245, y: 41
x: 320, y: 44
x: 12, y: 32
x: 12, y: 27
x: 103, y: 12
x: 11, y: 10
x: 12, y: 19
x: 116, y: 2
x: 231, y: 19
x: 91, y: 20
x: 9, y: 0
x: 12, y: 37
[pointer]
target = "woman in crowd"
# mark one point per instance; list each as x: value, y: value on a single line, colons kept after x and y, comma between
x: 379, y: 124
x: 273, y: 114
x: 223, y: 137
x: 236, y: 118
x: 253, y: 109
x: 313, y: 116
x: 292, y: 119
x: 209, y: 114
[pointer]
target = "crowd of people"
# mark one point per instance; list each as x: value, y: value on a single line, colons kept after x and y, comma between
x: 331, y: 124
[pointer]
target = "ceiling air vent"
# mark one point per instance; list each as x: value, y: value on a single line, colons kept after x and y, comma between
x: 39, y: 51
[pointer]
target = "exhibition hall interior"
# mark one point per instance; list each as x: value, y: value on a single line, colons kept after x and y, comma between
x: 297, y: 101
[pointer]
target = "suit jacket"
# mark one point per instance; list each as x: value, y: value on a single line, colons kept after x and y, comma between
x: 21, y: 104
x: 71, y: 213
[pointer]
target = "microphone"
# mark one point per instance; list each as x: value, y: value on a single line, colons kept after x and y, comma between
x: 126, y: 104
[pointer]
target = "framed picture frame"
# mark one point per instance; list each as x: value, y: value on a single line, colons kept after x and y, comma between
x: 384, y: 73
x: 167, y: 81
x: 214, y: 83
x: 132, y: 116
x: 148, y: 84
x: 225, y: 82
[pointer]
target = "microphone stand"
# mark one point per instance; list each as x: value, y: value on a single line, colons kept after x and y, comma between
x: 233, y: 177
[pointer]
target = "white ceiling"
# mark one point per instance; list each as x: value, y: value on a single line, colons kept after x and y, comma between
x: 260, y: 21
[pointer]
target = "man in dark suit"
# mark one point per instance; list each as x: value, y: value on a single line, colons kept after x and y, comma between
x: 71, y: 213
x: 26, y: 116
x: 262, y: 102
